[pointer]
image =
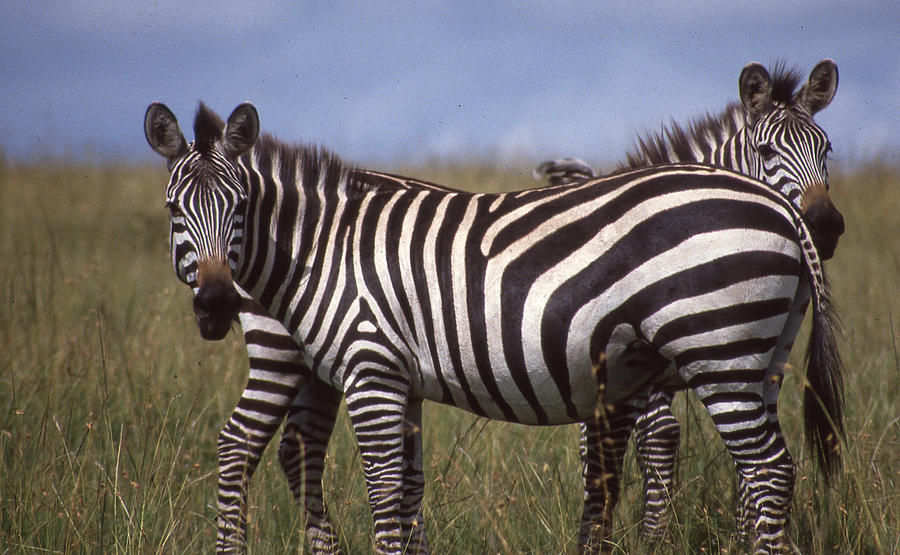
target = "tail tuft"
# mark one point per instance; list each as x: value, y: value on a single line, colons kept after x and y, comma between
x: 564, y: 171
x: 823, y: 396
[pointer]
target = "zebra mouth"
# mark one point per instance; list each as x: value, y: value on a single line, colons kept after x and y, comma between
x: 213, y: 329
x: 215, y: 307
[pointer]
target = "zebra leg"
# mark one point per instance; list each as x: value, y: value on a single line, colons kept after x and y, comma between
x: 302, y: 457
x: 411, y: 518
x: 277, y: 371
x: 761, y: 458
x: 656, y: 437
x: 604, y: 440
x: 771, y: 389
x: 376, y: 403
x: 240, y: 445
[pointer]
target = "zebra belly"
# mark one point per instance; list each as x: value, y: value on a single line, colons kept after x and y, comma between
x: 514, y: 384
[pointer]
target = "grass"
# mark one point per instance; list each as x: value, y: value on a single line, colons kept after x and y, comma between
x: 110, y: 402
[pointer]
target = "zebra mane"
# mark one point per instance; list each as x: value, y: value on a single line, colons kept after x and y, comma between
x: 207, y: 129
x: 785, y: 83
x: 309, y: 160
x: 674, y: 142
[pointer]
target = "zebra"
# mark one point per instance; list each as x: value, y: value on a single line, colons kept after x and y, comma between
x: 280, y: 388
x: 514, y: 306
x: 771, y: 136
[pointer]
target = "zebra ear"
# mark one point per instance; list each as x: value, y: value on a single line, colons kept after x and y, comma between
x: 242, y: 130
x: 756, y: 90
x: 162, y: 132
x: 819, y: 90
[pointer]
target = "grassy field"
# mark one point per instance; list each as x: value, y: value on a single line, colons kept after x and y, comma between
x: 110, y: 402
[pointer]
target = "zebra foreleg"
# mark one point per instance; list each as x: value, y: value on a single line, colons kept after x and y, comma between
x: 604, y: 439
x: 240, y: 447
x: 376, y: 402
x: 302, y: 457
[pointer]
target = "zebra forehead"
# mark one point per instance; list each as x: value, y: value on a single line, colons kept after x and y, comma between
x: 790, y: 119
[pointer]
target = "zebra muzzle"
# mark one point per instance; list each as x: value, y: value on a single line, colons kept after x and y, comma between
x: 825, y: 221
x: 216, y: 303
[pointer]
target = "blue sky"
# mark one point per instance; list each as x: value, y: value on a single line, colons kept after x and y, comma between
x: 401, y: 83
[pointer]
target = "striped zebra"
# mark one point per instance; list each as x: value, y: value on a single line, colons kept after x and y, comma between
x: 770, y: 136
x: 522, y: 306
x: 280, y: 386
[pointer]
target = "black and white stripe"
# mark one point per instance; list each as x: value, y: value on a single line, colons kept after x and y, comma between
x: 771, y: 136
x: 515, y: 306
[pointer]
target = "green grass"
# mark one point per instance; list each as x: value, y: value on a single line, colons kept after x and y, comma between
x: 110, y: 402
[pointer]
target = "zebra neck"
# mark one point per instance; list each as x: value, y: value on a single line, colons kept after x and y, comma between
x: 296, y: 195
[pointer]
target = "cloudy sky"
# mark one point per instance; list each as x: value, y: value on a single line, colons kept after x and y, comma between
x: 403, y: 83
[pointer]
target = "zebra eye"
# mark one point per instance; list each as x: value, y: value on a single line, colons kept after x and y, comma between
x: 828, y: 148
x: 174, y: 211
x: 766, y: 151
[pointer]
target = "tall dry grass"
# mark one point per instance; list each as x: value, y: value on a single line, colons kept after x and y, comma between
x: 110, y: 402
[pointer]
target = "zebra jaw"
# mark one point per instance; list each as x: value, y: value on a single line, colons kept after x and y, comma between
x: 216, y: 303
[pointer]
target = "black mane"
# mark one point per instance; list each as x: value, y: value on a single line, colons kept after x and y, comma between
x: 652, y: 149
x: 207, y: 129
x: 785, y: 83
x: 309, y: 160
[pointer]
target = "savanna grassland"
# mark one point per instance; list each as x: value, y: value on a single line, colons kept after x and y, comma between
x: 110, y: 402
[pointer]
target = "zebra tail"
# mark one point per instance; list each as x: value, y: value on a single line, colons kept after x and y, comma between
x: 564, y: 171
x: 823, y: 396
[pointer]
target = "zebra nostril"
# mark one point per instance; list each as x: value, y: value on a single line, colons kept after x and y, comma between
x: 216, y: 300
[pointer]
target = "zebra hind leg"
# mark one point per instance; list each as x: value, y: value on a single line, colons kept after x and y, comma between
x: 302, y: 457
x: 604, y: 440
x: 411, y: 518
x: 771, y: 388
x: 656, y: 437
x: 764, y: 465
x: 746, y: 512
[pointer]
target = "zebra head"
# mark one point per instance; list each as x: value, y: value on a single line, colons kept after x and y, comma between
x: 787, y: 149
x: 207, y: 201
